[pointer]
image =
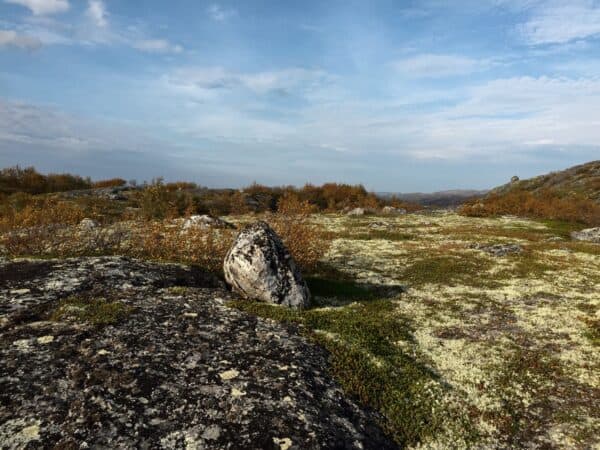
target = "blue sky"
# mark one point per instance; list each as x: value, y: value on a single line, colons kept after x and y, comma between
x: 399, y: 96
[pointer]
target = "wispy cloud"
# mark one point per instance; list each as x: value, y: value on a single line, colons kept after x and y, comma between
x: 219, y: 13
x: 561, y: 22
x: 10, y: 38
x: 43, y: 7
x: 96, y: 11
x: 431, y: 65
x: 157, y: 46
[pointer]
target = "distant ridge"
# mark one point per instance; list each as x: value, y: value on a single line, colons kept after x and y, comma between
x: 440, y: 199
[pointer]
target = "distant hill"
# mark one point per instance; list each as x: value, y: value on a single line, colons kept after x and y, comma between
x: 441, y: 199
x: 582, y: 180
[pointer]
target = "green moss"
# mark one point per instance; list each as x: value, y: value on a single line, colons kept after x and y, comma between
x: 562, y: 228
x: 96, y: 311
x: 467, y: 269
x: 348, y: 290
x: 366, y: 359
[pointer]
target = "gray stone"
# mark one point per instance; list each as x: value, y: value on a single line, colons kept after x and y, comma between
x: 356, y: 212
x: 88, y: 224
x: 393, y: 211
x: 498, y: 249
x: 205, y: 221
x: 259, y: 267
x: 589, y: 234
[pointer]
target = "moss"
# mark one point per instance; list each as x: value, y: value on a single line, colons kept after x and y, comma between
x: 95, y: 311
x: 562, y: 228
x: 447, y: 270
x: 366, y: 358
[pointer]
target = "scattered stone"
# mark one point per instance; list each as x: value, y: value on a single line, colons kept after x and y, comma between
x: 145, y: 392
x: 356, y: 212
x: 589, y: 234
x: 498, y: 249
x: 88, y: 224
x: 259, y: 267
x: 393, y: 211
x: 205, y: 221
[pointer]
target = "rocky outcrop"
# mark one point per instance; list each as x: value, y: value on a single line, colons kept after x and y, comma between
x: 259, y: 267
x: 205, y: 221
x: 356, y: 212
x: 498, y: 249
x: 178, y: 369
x: 589, y: 234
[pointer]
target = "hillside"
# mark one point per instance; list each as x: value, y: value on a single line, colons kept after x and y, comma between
x: 441, y: 199
x: 582, y: 180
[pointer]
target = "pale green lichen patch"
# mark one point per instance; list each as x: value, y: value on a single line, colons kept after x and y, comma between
x: 513, y: 340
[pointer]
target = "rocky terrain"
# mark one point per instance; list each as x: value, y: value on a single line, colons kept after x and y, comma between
x: 110, y: 352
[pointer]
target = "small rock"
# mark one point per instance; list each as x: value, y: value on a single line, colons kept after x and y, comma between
x: 205, y: 221
x: 393, y: 211
x: 356, y: 212
x: 88, y: 224
x: 284, y: 443
x: 258, y: 266
x: 589, y: 234
x: 498, y: 249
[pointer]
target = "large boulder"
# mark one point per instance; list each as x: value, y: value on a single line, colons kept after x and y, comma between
x: 589, y: 234
x: 259, y: 267
x: 391, y: 210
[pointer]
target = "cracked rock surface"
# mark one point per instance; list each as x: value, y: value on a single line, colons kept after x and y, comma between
x: 179, y: 370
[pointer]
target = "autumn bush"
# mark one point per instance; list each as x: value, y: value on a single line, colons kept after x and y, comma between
x: 157, y: 201
x: 111, y: 182
x: 28, y: 180
x: 546, y: 204
x: 307, y: 241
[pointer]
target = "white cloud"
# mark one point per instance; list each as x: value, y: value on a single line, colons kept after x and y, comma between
x: 560, y: 22
x: 96, y: 11
x: 220, y: 14
x: 205, y: 82
x: 431, y: 65
x: 42, y: 7
x: 157, y: 46
x: 10, y: 38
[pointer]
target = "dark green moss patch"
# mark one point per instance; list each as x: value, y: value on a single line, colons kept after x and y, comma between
x: 95, y: 311
x: 366, y: 358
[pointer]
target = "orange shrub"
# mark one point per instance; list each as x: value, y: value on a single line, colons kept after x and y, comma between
x: 111, y: 182
x: 547, y: 204
x: 306, y: 240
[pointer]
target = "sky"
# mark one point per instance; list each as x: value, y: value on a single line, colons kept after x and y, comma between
x: 400, y: 96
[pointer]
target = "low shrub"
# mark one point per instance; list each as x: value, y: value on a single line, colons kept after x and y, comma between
x: 111, y: 182
x: 547, y: 204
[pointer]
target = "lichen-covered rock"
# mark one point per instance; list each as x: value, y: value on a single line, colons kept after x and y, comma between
x: 88, y: 224
x: 205, y: 221
x: 498, y: 249
x: 180, y: 370
x: 393, y: 211
x: 589, y: 234
x: 356, y: 212
x: 259, y: 267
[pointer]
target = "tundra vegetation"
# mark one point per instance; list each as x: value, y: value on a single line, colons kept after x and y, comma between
x: 455, y: 346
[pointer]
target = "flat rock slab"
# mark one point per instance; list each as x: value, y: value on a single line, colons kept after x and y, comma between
x: 181, y: 370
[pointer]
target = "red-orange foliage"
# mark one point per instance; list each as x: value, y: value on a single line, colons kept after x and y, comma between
x: 111, y: 182
x: 547, y: 204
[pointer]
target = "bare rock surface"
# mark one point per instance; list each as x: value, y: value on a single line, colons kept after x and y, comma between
x: 498, y: 249
x: 179, y: 370
x: 259, y: 267
x: 589, y: 234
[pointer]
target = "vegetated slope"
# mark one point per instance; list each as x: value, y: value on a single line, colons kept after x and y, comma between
x: 582, y: 180
x: 441, y: 199
x: 571, y: 195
